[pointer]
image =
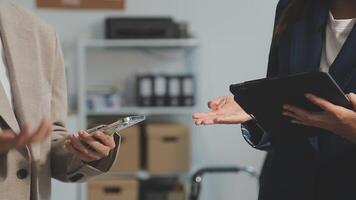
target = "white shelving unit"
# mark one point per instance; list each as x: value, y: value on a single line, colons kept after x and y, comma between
x: 150, y: 43
x: 146, y: 111
x: 188, y: 47
x: 142, y: 175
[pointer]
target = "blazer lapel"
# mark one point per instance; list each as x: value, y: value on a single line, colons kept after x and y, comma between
x: 308, y: 40
x: 344, y: 67
x: 20, y: 45
x: 6, y: 112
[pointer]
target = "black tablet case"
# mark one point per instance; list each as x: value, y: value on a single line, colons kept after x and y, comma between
x: 264, y: 98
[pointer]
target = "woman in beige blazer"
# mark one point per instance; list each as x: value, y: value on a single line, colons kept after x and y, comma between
x: 30, y: 156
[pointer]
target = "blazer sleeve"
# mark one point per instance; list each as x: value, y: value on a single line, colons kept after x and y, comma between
x: 252, y: 132
x: 64, y: 165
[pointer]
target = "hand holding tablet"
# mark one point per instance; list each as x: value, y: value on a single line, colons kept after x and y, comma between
x: 333, y: 118
x: 96, y: 143
x: 265, y: 98
x: 279, y: 104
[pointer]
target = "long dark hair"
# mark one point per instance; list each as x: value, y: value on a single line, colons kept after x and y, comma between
x: 295, y: 9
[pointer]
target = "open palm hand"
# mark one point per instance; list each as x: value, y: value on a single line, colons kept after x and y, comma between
x: 223, y: 110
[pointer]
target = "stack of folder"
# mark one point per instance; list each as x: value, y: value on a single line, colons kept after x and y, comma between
x: 165, y: 90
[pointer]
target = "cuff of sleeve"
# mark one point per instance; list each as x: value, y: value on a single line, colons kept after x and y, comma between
x: 88, y: 170
x: 254, y: 135
x: 84, y: 173
x: 106, y: 163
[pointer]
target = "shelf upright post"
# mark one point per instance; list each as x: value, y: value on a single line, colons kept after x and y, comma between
x: 190, y: 58
x: 81, y: 89
x: 82, y: 62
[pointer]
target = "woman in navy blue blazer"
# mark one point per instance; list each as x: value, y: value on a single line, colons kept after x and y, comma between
x: 309, y: 35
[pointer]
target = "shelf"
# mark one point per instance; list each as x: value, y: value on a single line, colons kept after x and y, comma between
x: 188, y: 46
x: 137, y: 43
x: 142, y: 175
x: 146, y: 111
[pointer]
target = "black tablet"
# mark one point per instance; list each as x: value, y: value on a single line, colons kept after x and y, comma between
x: 264, y: 98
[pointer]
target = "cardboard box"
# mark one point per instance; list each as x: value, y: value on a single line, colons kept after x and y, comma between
x: 168, y: 148
x: 162, y: 188
x: 113, y: 190
x: 128, y: 159
x: 176, y: 195
x: 82, y: 4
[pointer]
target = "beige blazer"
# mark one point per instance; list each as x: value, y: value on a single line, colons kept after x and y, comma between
x: 37, y: 78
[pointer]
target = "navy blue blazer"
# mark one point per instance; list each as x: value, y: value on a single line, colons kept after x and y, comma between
x: 294, y: 169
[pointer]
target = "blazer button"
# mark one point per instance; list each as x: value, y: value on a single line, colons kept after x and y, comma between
x: 22, y: 174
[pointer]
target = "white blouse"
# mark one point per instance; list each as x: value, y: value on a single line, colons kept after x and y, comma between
x: 4, y: 75
x: 337, y: 31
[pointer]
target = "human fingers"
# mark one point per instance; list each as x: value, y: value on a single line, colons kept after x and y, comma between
x: 7, y: 141
x: 315, y: 119
x: 322, y: 103
x: 316, y: 124
x: 352, y: 98
x: 69, y: 146
x: 293, y: 116
x: 208, y: 121
x: 203, y: 115
x: 79, y: 146
x: 7, y: 136
x: 216, y: 103
x: 97, y: 146
x: 107, y: 140
x: 205, y: 121
x: 23, y: 137
x: 297, y: 111
x: 301, y: 114
x: 199, y: 122
x: 232, y: 119
x: 298, y: 119
x: 42, y: 132
x: 300, y: 122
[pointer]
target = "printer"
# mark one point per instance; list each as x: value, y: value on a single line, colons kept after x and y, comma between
x: 144, y: 28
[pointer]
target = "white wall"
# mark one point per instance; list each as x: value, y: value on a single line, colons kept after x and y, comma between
x: 235, y: 37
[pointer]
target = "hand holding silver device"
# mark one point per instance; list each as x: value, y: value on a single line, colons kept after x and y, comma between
x: 91, y: 146
x: 117, y: 126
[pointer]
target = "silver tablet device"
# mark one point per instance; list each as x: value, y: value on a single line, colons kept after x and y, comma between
x: 117, y: 126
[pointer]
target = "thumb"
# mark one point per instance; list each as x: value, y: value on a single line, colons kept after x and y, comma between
x: 352, y: 98
x: 216, y: 103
